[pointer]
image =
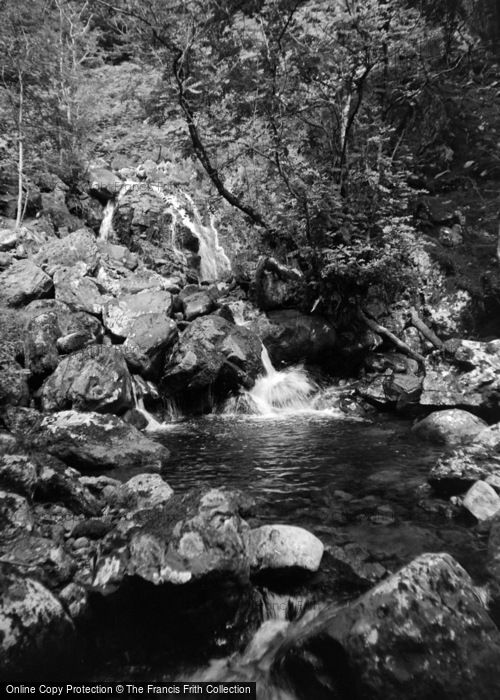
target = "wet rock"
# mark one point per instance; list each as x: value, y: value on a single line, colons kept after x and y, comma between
x: 96, y: 379
x: 80, y: 293
x: 37, y: 632
x: 18, y: 473
x: 278, y: 286
x: 149, y: 491
x: 15, y: 515
x: 199, y: 303
x: 422, y: 633
x: 104, y: 184
x: 79, y: 248
x: 212, y: 355
x: 482, y: 501
x: 449, y: 427
x: 291, y: 336
x: 121, y: 314
x: 40, y: 558
x: 355, y: 563
x: 455, y: 473
x: 471, y: 379
x: 22, y: 282
x: 93, y: 441
x: 40, y: 344
x: 148, y: 339
x: 284, y: 547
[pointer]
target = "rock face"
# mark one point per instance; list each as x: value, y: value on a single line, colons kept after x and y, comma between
x: 291, y: 336
x: 450, y: 427
x: 470, y: 380
x: 284, y: 547
x: 36, y: 631
x: 455, y: 473
x: 94, y: 379
x: 22, y: 282
x: 422, y: 634
x: 212, y: 355
x: 91, y: 441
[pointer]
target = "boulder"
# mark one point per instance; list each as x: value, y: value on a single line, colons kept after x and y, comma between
x: 41, y: 558
x: 22, y: 282
x: 148, y: 338
x: 54, y: 206
x: 41, y: 354
x: 278, y: 286
x: 449, y: 427
x: 196, y: 301
x: 149, y: 491
x: 94, y: 379
x: 212, y: 355
x: 482, y: 501
x: 92, y: 441
x: 284, y: 547
x: 471, y: 379
x: 494, y: 550
x: 79, y: 247
x: 77, y: 328
x: 9, y: 238
x: 453, y: 474
x: 118, y: 255
x: 291, y: 336
x: 60, y: 484
x: 489, y: 437
x: 18, y: 473
x: 113, y: 278
x: 104, y: 184
x: 77, y: 291
x: 421, y: 634
x: 13, y: 381
x: 16, y: 517
x: 121, y: 314
x: 37, y: 632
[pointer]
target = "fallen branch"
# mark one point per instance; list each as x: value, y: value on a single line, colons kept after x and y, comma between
x: 381, y: 330
x: 424, y: 329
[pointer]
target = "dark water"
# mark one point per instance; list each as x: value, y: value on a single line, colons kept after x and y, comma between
x: 347, y: 481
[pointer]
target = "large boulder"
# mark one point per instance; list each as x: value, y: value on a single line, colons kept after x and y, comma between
x: 121, y: 314
x: 22, y: 282
x: 450, y: 427
x: 54, y: 206
x: 422, y: 634
x: 291, y: 336
x: 36, y: 631
x: 212, y: 356
x: 94, y: 379
x: 79, y: 292
x: 92, y: 441
x: 15, y: 515
x: 456, y: 472
x: 18, y: 473
x: 76, y: 328
x: 14, y: 388
x: 41, y: 355
x: 147, y: 341
x: 469, y: 379
x: 79, y: 247
x: 104, y: 184
x: 282, y: 547
x: 278, y: 286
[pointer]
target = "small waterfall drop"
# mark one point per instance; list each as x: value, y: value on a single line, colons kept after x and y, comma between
x: 106, y: 228
x: 153, y: 425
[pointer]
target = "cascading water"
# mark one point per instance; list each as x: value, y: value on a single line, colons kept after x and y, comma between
x: 106, y: 228
x: 153, y: 425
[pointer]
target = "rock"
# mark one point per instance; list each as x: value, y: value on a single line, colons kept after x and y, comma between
x: 470, y: 380
x: 421, y: 634
x: 58, y: 483
x: 70, y: 322
x: 18, y: 473
x: 121, y: 314
x: 92, y: 441
x: 489, y: 437
x: 449, y: 427
x: 79, y: 248
x: 15, y: 515
x: 482, y: 501
x: 113, y: 278
x: 119, y: 255
x: 494, y: 550
x: 80, y: 293
x: 22, y: 282
x: 8, y: 238
x: 41, y: 558
x: 75, y: 600
x: 93, y: 379
x: 54, y: 206
x: 9, y: 193
x: 451, y: 237
x: 14, y: 389
x: 211, y: 356
x: 284, y: 547
x: 92, y: 529
x: 150, y: 491
x: 104, y: 184
x: 148, y: 338
x: 197, y: 304
x: 40, y: 344
x: 403, y: 389
x: 8, y: 443
x: 37, y: 633
x: 455, y: 473
x: 291, y: 336
x: 278, y: 286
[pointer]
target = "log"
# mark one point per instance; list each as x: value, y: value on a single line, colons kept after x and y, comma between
x: 381, y: 330
x: 424, y: 329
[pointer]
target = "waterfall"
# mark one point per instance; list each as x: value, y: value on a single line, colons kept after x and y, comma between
x: 106, y: 228
x: 153, y: 426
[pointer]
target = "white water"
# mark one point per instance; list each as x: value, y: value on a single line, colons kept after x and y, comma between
x: 153, y: 425
x: 106, y: 228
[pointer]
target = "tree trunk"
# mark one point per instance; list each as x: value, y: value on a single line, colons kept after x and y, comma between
x: 20, y: 161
